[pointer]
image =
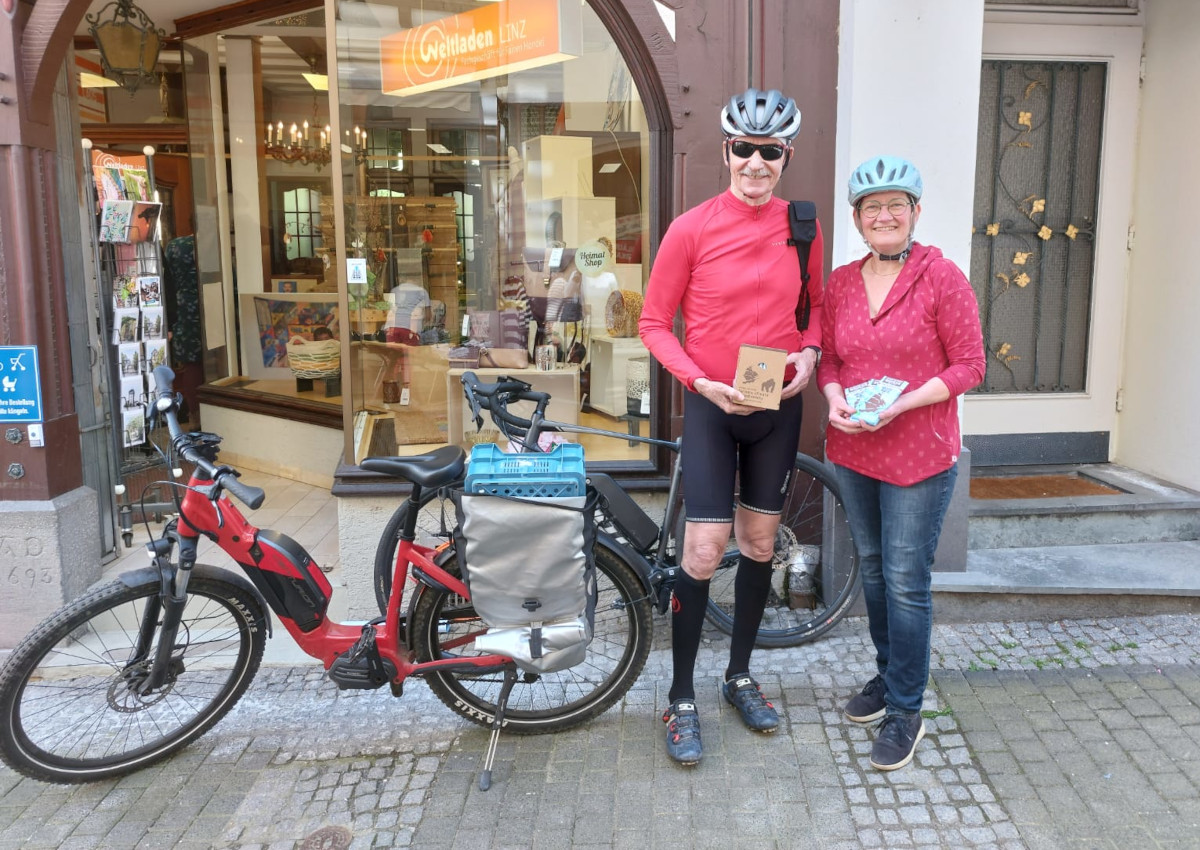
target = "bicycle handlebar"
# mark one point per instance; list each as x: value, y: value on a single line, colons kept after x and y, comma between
x: 166, y: 404
x: 496, y: 397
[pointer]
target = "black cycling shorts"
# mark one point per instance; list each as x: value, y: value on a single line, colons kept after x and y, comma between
x: 719, y: 447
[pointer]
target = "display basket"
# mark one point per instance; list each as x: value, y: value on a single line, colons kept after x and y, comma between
x: 320, y: 359
x: 536, y: 475
x: 622, y: 312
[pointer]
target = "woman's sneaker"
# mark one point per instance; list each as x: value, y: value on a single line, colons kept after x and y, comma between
x: 744, y: 694
x: 683, y: 731
x: 868, y: 706
x: 897, y: 741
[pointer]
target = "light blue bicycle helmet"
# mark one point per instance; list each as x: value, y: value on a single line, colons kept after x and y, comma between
x: 761, y: 113
x: 882, y: 174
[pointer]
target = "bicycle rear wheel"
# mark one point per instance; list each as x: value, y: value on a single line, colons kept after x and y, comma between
x: 70, y: 710
x: 815, y: 575
x: 443, y: 623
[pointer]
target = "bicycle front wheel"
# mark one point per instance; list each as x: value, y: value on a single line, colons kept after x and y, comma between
x: 71, y: 697
x: 444, y: 624
x: 815, y: 576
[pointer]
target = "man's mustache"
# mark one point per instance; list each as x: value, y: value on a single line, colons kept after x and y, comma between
x: 755, y: 173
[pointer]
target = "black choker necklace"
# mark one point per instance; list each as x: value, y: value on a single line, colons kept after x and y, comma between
x: 903, y: 255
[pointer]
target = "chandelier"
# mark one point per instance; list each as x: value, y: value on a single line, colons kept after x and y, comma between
x: 297, y: 144
x: 129, y: 43
x: 306, y: 143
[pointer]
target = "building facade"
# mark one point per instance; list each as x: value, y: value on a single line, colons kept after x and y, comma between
x: 386, y: 170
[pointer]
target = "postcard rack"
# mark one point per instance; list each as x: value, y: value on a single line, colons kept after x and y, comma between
x: 132, y: 326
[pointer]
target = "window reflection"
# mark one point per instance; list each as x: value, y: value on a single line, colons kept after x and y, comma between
x: 499, y: 212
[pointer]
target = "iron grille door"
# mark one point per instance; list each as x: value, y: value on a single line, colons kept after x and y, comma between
x: 1033, y: 250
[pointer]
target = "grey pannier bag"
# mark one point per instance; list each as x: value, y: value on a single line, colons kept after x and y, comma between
x: 532, y: 575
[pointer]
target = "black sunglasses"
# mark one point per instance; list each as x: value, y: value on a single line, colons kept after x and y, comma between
x: 769, y: 152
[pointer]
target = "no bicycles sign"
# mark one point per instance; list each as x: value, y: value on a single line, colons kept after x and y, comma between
x: 20, y: 385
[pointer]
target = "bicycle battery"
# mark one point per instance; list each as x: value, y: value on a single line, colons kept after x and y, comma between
x: 288, y: 578
x: 631, y: 521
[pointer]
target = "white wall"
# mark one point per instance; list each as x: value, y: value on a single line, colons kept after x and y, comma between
x: 1161, y: 406
x: 908, y: 85
x: 282, y: 447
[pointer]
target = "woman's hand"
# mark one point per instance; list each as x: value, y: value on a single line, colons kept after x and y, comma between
x: 931, y: 392
x: 839, y: 414
x: 723, y: 396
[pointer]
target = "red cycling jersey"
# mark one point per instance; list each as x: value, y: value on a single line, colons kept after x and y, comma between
x: 729, y: 268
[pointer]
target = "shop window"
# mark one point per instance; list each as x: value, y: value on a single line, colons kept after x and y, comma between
x: 496, y: 203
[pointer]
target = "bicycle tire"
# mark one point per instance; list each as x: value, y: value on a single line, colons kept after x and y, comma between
x: 68, y: 715
x: 790, y: 620
x: 553, y: 701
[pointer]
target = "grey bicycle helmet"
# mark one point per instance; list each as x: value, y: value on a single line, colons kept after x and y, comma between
x: 761, y: 113
x: 882, y: 174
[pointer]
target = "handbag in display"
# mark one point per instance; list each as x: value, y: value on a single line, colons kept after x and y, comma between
x: 504, y: 358
x: 464, y: 357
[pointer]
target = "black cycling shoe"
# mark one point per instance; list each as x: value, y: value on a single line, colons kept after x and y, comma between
x: 683, y: 731
x: 744, y: 694
x: 868, y: 705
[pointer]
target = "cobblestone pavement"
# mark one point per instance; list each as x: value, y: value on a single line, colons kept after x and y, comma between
x: 1075, y: 734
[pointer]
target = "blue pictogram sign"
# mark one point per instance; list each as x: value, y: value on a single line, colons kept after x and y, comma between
x: 20, y: 385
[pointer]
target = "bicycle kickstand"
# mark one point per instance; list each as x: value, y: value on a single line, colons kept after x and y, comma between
x: 510, y: 679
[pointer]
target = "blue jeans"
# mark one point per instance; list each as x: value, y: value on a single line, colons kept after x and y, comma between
x: 896, y: 532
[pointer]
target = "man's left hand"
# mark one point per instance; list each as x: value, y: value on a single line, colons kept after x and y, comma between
x: 806, y: 366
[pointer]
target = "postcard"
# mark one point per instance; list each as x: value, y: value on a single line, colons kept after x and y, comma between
x: 125, y: 324
x: 154, y: 323
x: 137, y: 183
x: 115, y: 217
x: 125, y: 291
x: 109, y: 186
x: 144, y: 224
x: 133, y: 424
x: 129, y: 355
x: 156, y: 354
x: 133, y: 392
x: 149, y: 290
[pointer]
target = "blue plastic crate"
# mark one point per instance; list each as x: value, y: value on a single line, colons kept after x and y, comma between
x: 558, y: 472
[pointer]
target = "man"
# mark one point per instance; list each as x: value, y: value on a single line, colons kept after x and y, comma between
x: 728, y: 267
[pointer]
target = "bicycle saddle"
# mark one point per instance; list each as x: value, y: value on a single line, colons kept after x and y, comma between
x: 433, y: 469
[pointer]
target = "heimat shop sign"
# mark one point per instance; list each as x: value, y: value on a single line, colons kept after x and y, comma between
x: 498, y: 38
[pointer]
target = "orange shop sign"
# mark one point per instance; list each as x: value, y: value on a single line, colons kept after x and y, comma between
x: 494, y: 39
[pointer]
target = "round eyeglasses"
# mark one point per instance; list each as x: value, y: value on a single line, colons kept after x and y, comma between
x: 872, y: 209
x: 744, y: 150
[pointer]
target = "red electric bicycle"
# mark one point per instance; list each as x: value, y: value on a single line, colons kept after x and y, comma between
x: 144, y: 664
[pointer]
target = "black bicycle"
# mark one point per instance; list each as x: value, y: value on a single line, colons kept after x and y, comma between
x: 816, y: 565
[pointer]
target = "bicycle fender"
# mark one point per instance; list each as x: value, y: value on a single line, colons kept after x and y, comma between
x: 629, y: 555
x: 149, y: 575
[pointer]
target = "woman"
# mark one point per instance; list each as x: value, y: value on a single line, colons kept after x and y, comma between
x: 903, y: 312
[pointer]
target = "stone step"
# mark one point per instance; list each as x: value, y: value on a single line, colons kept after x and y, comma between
x: 1054, y: 582
x: 1145, y: 509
